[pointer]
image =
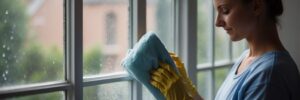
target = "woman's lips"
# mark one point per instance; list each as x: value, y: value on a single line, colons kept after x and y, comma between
x: 228, y: 30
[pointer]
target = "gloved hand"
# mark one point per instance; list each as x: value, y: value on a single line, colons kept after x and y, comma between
x: 173, y: 86
x: 189, y: 86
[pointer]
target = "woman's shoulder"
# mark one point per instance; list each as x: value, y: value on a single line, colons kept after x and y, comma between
x: 276, y: 59
x: 276, y: 63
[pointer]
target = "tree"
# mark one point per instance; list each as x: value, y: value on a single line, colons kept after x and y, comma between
x: 92, y: 62
x: 12, y: 30
x: 91, y: 66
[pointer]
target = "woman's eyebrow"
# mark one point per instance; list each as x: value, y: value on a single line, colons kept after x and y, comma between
x: 220, y: 6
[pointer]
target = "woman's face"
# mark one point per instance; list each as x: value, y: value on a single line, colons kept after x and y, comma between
x: 237, y: 19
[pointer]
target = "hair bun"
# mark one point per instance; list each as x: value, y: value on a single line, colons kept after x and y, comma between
x: 275, y: 7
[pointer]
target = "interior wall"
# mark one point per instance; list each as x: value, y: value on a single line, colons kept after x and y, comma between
x: 290, y: 28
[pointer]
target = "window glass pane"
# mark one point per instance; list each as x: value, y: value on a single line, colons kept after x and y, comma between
x: 238, y: 47
x: 204, y: 31
x: 160, y: 20
x: 147, y: 95
x: 221, y: 46
x: 220, y: 75
x: 44, y: 96
x: 105, y: 35
x: 111, y: 91
x: 204, y: 84
x: 31, y: 42
x: 222, y: 42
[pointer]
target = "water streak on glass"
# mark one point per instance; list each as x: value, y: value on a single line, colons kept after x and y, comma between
x: 111, y: 91
x: 105, y: 35
x: 28, y: 39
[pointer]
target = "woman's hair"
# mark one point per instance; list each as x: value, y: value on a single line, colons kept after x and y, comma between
x: 274, y: 8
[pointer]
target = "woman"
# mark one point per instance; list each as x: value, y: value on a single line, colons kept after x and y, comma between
x: 265, y: 71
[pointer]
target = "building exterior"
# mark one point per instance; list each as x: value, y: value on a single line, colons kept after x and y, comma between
x: 105, y: 26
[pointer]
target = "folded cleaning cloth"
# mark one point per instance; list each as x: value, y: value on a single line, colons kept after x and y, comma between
x: 144, y: 57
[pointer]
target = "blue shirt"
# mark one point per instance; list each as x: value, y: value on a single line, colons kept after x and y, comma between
x: 272, y: 76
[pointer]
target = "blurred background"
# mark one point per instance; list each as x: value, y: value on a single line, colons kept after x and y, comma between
x: 32, y: 44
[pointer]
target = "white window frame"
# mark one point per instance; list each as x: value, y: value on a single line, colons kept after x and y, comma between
x: 187, y: 25
x: 185, y: 31
x: 74, y: 84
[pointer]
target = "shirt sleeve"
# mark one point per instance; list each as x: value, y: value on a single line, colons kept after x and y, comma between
x: 257, y: 86
x: 266, y: 84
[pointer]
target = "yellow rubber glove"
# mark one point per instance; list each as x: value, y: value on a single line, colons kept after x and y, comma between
x: 189, y: 86
x: 172, y: 85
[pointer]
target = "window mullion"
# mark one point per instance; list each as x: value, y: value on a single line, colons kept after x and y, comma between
x: 188, y: 35
x: 74, y: 49
x: 213, y: 51
x: 138, y: 29
x: 33, y: 89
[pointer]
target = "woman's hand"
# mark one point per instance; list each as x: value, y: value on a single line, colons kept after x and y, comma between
x: 174, y: 86
x: 180, y: 66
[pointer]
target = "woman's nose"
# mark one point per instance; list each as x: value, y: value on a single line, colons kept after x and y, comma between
x: 219, y: 21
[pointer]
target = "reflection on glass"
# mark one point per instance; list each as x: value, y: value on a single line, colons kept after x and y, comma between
x: 220, y: 75
x: 160, y: 20
x: 31, y: 42
x: 147, y: 95
x: 45, y: 96
x: 105, y: 35
x: 204, y: 31
x: 237, y: 48
x: 204, y: 84
x: 111, y: 91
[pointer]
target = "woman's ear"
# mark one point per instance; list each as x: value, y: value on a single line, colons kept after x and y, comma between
x: 258, y: 7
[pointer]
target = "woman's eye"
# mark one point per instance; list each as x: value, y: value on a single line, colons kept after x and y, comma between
x: 225, y: 10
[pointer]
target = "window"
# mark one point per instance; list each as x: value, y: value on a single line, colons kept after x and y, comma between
x: 215, y: 53
x: 110, y: 91
x: 110, y: 28
x: 32, y: 50
x: 105, y: 35
x: 160, y: 19
x: 72, y: 49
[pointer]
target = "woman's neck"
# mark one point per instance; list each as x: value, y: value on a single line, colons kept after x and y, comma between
x: 264, y: 40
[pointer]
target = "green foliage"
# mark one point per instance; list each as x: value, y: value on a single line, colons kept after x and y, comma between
x: 54, y: 64
x: 31, y: 65
x: 90, y: 93
x: 35, y: 65
x: 91, y: 66
x: 92, y: 62
x: 25, y: 62
x: 46, y: 96
x: 12, y: 30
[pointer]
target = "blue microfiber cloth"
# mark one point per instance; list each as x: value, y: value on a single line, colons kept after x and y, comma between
x: 144, y: 57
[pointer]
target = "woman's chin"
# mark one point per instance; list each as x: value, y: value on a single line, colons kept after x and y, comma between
x: 234, y: 39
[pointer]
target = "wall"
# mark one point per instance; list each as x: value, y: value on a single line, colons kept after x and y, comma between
x: 290, y: 28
